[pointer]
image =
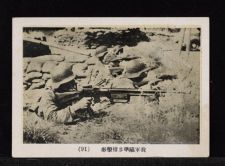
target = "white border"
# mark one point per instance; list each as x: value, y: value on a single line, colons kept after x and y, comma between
x: 71, y: 150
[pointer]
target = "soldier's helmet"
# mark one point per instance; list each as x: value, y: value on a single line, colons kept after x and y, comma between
x: 62, y: 74
x: 134, y: 69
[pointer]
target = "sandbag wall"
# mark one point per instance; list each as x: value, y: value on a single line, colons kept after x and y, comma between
x: 37, y: 70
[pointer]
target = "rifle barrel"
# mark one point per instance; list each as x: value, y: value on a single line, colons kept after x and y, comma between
x: 138, y: 91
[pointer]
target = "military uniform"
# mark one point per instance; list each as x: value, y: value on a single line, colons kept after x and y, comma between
x: 51, y: 111
x: 55, y: 109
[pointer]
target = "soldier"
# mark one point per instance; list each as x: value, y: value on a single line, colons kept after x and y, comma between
x: 133, y: 75
x: 53, y: 109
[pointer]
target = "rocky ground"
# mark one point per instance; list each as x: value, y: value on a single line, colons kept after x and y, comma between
x: 174, y: 119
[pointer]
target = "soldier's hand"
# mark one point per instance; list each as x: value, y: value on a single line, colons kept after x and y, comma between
x: 84, y: 102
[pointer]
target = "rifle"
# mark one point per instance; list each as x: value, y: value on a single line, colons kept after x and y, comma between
x: 115, y: 95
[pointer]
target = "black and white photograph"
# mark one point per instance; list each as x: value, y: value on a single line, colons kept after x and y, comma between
x: 118, y: 86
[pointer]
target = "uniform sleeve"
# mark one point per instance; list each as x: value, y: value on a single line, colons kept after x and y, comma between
x: 51, y: 111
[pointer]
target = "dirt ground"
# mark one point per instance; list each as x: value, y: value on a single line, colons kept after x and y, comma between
x: 173, y: 120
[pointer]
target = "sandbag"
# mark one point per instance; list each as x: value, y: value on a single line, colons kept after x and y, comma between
x: 27, y: 83
x: 25, y: 87
x: 34, y: 67
x: 75, y: 58
x: 26, y: 62
x: 46, y: 76
x: 38, y: 85
x: 48, y: 83
x: 25, y: 67
x: 33, y: 75
x: 45, y: 58
x: 36, y: 80
x: 49, y: 66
